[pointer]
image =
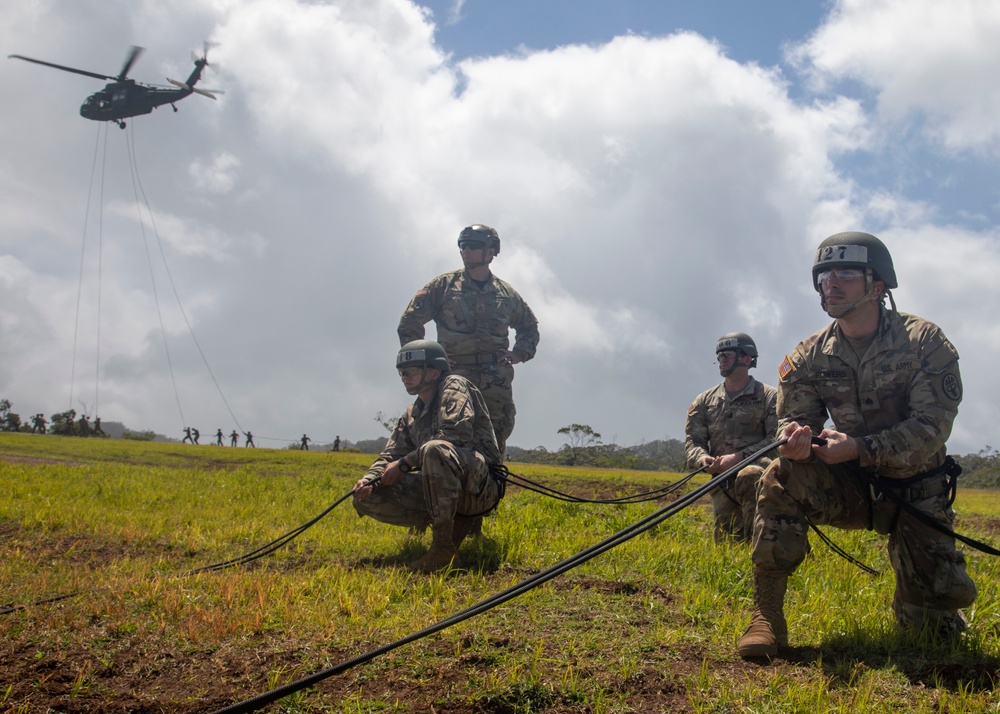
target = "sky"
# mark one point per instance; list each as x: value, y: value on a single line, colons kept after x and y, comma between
x: 660, y: 173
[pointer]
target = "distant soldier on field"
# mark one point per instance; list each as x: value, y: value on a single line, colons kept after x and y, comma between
x: 195, y: 435
x: 725, y: 425
x: 218, y: 437
x: 474, y: 311
x: 234, y: 438
x: 187, y: 436
x: 97, y: 426
x: 436, y: 467
x: 305, y: 443
x: 336, y: 443
x: 249, y: 441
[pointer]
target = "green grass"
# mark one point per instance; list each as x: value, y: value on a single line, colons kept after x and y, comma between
x: 649, y: 626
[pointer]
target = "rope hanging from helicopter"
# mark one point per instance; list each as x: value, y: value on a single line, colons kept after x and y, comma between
x: 136, y: 186
x: 170, y: 279
x: 83, y: 253
x: 141, y: 202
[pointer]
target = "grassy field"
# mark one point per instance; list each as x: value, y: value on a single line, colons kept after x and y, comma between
x: 650, y: 626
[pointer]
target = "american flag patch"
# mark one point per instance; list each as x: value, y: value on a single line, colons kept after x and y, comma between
x: 785, y: 368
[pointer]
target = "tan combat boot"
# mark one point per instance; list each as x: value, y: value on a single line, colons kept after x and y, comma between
x: 442, y: 553
x: 767, y: 630
x: 466, y: 526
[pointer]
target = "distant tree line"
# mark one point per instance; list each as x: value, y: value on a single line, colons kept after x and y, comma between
x: 584, y: 447
x: 980, y: 470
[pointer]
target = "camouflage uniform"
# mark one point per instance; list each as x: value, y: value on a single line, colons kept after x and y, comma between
x: 472, y: 325
x: 451, y: 443
x: 899, y: 401
x: 718, y: 424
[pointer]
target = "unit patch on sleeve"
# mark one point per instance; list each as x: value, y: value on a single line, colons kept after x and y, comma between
x: 951, y: 386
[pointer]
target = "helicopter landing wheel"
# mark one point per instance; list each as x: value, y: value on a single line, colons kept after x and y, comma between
x: 121, y: 124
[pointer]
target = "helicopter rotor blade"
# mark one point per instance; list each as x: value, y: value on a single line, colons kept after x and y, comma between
x: 84, y: 72
x: 133, y: 55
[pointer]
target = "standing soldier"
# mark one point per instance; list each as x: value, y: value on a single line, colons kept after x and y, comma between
x: 890, y: 384
x: 474, y: 311
x: 728, y: 423
x: 218, y: 437
x: 304, y: 443
x: 249, y: 441
x: 435, y: 468
x: 233, y: 438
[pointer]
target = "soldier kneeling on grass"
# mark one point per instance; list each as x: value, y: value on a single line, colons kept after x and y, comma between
x: 435, y: 468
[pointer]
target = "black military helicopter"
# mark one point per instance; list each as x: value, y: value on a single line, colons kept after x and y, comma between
x: 125, y: 97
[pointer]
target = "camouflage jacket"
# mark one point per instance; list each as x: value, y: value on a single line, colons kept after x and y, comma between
x: 471, y: 320
x: 718, y: 424
x: 456, y: 413
x: 899, y: 400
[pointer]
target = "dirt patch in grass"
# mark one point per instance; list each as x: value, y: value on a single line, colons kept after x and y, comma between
x: 34, y: 460
x: 137, y: 682
x: 981, y: 524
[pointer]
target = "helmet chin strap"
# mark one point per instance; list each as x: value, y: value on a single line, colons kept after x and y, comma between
x: 417, y: 388
x: 843, y: 310
x: 736, y: 364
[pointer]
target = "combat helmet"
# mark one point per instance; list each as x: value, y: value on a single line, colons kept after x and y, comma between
x: 477, y: 231
x: 423, y: 352
x: 738, y: 342
x: 854, y: 249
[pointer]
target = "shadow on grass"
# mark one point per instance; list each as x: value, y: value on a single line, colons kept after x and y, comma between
x: 959, y: 665
x: 482, y: 554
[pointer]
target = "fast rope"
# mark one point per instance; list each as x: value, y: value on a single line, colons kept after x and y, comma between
x: 253, y: 555
x: 641, y: 526
x: 83, y: 253
x: 502, y: 473
x: 511, y: 478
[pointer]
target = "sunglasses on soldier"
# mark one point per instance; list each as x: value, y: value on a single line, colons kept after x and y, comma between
x: 844, y: 274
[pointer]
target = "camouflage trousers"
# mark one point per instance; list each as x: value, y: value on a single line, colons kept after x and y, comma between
x: 448, y: 481
x: 495, y: 383
x: 734, y: 503
x: 931, y: 580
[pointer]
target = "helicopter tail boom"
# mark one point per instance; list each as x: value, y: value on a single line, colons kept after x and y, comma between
x: 203, y: 92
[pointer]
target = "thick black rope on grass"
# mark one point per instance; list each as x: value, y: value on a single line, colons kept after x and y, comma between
x: 278, y: 542
x: 529, y: 485
x: 253, y: 555
x: 291, y: 535
x: 641, y: 526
